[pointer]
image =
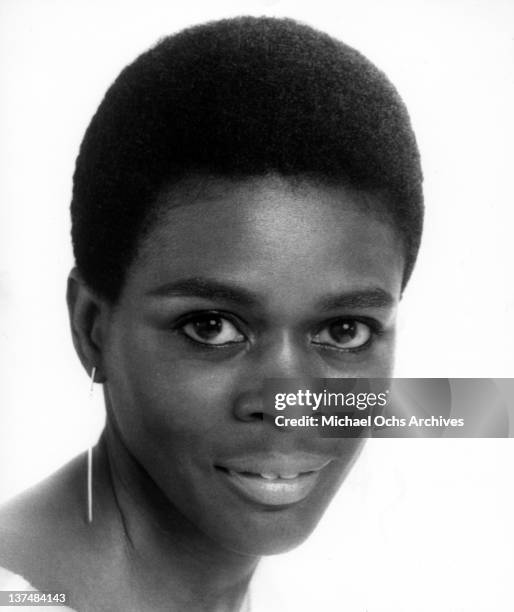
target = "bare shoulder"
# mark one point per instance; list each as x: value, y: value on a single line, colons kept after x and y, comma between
x: 40, y: 527
x: 46, y: 539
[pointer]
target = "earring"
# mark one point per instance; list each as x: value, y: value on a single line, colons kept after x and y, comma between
x: 90, y: 462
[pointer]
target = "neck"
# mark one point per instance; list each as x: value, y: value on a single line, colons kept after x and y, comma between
x: 166, y: 554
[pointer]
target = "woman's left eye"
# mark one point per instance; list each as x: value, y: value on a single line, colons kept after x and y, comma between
x: 344, y: 334
x: 212, y: 329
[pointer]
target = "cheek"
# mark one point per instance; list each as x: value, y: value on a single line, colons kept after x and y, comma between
x: 383, y: 362
x: 375, y: 362
x: 164, y: 396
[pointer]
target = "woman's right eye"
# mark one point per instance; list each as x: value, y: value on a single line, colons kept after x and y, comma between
x: 212, y: 329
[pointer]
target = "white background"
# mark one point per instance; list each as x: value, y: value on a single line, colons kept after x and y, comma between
x: 420, y: 524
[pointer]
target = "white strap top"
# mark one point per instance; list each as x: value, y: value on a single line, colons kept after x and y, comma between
x: 9, y: 581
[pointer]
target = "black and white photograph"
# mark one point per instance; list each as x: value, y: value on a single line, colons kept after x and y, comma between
x: 203, y: 202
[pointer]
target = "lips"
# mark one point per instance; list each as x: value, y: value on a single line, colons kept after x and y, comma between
x: 273, y: 480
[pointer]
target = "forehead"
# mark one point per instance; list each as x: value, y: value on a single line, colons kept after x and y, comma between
x: 270, y: 230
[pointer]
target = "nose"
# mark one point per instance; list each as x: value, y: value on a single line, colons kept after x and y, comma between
x: 250, y: 406
x: 282, y: 358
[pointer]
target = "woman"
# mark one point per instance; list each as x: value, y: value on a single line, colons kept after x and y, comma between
x: 247, y: 205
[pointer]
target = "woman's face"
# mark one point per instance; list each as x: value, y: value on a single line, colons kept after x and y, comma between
x: 248, y: 280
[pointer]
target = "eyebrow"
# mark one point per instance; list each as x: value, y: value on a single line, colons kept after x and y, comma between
x: 373, y: 297
x: 206, y: 288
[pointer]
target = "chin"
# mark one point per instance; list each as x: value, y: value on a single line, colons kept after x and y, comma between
x: 271, y: 532
x: 264, y: 545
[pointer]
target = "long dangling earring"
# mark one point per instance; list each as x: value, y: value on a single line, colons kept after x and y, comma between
x: 90, y: 462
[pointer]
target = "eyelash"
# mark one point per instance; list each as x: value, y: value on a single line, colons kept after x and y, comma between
x: 194, y: 316
x: 375, y: 327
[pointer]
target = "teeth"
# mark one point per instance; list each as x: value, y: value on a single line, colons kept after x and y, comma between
x: 270, y: 475
x: 276, y: 476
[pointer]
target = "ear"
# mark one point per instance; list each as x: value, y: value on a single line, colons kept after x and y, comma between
x: 87, y: 313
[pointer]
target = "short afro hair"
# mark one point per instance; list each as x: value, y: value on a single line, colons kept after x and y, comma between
x: 238, y: 98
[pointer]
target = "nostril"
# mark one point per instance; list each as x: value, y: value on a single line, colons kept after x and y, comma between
x: 249, y: 406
